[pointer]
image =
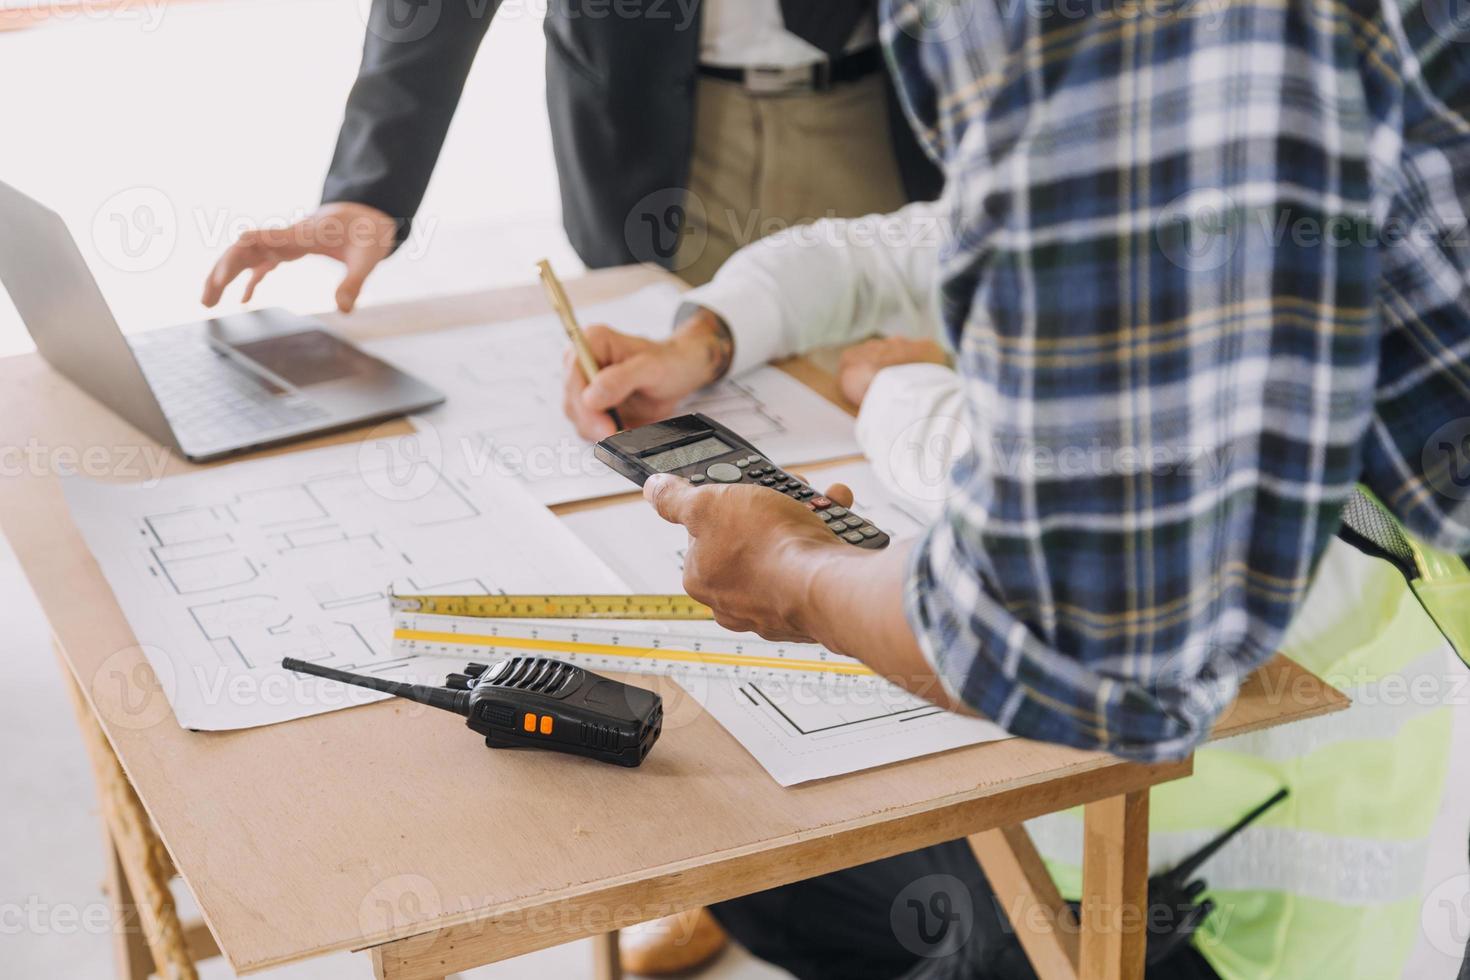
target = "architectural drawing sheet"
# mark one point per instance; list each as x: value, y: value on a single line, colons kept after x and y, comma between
x: 799, y: 730
x: 223, y: 573
x: 504, y: 385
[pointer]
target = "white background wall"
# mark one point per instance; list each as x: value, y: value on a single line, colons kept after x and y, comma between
x: 185, y: 123
x: 158, y: 132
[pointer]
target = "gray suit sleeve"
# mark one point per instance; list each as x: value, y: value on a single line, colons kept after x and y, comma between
x: 415, y: 59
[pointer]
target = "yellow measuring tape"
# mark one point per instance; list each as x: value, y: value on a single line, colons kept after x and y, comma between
x: 555, y: 606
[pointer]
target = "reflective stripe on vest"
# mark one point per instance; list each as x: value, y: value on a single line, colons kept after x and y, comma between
x: 1365, y: 785
x: 1346, y: 871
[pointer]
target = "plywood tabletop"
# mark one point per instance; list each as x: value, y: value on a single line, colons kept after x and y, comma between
x: 390, y: 820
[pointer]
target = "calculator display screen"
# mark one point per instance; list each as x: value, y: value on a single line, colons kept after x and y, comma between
x: 695, y: 452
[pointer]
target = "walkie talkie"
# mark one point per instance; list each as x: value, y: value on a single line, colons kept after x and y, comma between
x: 534, y: 702
x: 1175, y: 909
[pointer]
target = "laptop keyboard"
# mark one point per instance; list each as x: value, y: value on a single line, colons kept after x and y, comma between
x: 211, y: 400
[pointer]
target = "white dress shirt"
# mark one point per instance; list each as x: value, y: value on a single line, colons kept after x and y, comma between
x: 752, y: 34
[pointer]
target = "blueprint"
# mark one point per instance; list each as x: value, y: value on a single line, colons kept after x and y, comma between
x: 798, y: 730
x: 223, y: 573
x: 504, y: 413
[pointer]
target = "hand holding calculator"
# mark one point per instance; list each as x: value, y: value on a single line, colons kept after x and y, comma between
x: 702, y: 451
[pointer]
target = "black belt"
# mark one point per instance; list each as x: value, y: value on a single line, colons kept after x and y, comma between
x: 818, y: 77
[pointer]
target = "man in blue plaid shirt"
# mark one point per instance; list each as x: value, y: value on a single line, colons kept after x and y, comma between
x: 1206, y: 268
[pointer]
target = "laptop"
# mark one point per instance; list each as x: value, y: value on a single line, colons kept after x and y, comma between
x: 207, y: 389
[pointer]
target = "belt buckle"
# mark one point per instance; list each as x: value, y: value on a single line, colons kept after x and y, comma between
x: 779, y: 81
x: 822, y: 75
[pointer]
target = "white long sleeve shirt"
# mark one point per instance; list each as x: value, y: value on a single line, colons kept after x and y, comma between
x: 840, y: 280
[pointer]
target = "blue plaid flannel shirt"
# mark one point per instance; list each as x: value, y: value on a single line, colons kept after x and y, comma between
x: 1205, y: 269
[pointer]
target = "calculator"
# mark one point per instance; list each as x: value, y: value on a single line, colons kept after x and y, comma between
x: 703, y: 451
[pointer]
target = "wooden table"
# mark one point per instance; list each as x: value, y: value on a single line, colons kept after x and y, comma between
x: 384, y: 827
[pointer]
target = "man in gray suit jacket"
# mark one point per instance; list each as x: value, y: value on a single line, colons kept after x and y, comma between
x: 682, y: 129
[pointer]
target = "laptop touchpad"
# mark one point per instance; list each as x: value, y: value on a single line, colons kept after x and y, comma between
x: 308, y: 358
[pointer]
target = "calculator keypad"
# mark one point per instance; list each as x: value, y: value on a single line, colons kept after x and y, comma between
x: 758, y: 471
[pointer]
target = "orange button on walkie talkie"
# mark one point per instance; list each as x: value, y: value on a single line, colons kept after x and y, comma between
x: 545, y: 724
x: 530, y: 722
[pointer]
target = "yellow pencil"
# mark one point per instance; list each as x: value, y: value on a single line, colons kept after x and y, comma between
x: 563, y: 307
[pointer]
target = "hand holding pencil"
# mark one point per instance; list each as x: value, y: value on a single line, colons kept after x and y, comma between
x: 586, y: 361
x: 614, y: 379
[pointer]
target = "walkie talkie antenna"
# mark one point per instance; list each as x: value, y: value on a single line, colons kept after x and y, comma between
x: 434, y: 697
x: 1191, y: 864
x: 1177, y: 892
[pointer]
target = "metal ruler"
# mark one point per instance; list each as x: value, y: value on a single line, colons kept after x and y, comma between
x: 555, y: 606
x: 633, y: 648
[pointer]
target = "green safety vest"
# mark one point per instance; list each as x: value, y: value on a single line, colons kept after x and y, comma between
x: 1327, y: 883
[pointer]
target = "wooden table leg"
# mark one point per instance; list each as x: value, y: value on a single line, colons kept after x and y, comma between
x: 1114, y: 888
x: 139, y: 868
x: 381, y: 970
x: 1043, y: 921
x: 606, y: 963
x: 129, y: 950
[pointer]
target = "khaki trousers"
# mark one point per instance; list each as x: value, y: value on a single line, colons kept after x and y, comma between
x: 764, y: 163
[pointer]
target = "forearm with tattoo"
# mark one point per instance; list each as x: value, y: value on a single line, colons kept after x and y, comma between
x: 707, y: 333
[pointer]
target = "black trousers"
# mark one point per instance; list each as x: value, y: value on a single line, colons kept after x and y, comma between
x: 927, y: 915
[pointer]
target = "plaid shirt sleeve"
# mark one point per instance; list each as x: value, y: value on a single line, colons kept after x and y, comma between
x: 1184, y: 335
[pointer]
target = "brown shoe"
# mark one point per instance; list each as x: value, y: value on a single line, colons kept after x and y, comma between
x: 672, y: 945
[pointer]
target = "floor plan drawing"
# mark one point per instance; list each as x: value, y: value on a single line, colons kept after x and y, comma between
x: 800, y: 735
x: 227, y: 571
x: 504, y: 411
x: 200, y: 550
x: 813, y: 718
x: 256, y: 631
